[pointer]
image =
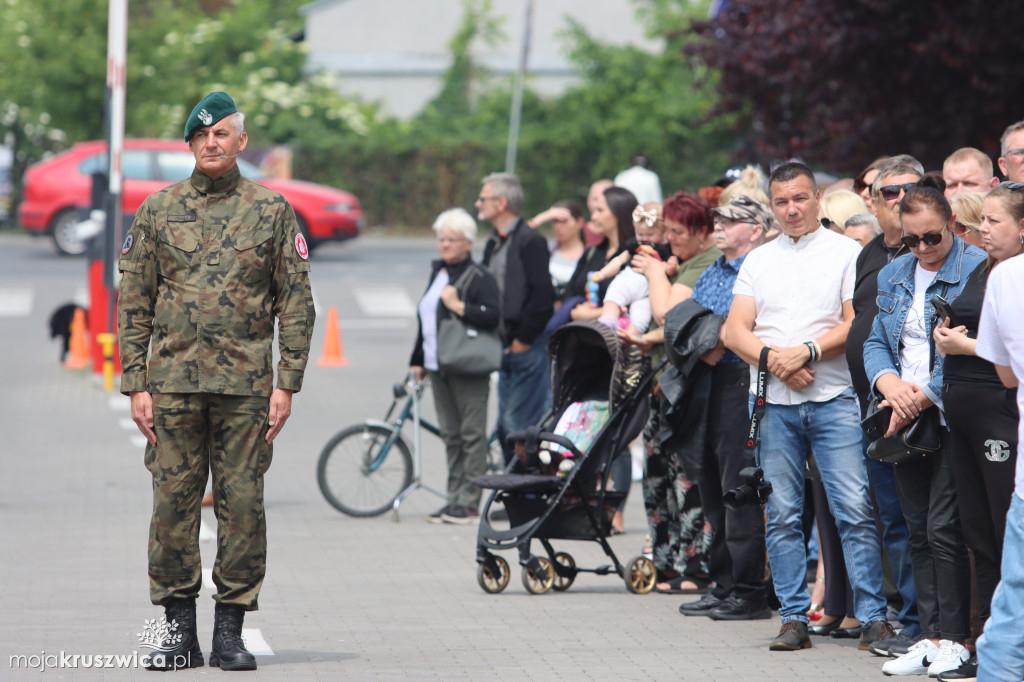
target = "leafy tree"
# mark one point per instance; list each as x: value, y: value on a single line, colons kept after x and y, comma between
x: 53, y: 72
x: 840, y: 82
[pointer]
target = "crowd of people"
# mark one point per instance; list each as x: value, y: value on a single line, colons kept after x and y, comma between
x: 873, y: 293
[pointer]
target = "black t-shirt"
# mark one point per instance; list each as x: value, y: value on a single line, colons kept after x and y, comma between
x: 966, y: 309
x: 593, y: 259
x: 875, y: 256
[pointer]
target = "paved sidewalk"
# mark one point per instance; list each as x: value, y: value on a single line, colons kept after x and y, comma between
x: 344, y: 599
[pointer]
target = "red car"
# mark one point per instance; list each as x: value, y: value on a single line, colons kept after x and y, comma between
x: 54, y: 190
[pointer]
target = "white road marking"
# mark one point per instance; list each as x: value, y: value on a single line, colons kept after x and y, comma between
x: 15, y: 302
x: 138, y: 441
x: 255, y: 643
x: 379, y: 323
x: 385, y: 302
x: 119, y: 403
x: 205, y: 533
x: 208, y: 580
x: 127, y: 424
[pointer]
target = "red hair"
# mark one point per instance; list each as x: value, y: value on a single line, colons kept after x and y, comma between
x: 691, y: 211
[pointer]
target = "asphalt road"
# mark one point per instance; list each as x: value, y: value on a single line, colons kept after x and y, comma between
x: 360, y: 599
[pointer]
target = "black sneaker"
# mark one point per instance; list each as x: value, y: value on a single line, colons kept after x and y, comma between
x: 436, y: 516
x: 894, y: 646
x: 792, y: 637
x: 737, y: 608
x: 702, y: 606
x: 968, y: 672
x: 879, y: 631
x: 461, y: 516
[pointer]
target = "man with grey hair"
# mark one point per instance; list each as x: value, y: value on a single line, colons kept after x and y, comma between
x: 887, y: 189
x: 518, y: 258
x: 862, y: 228
x: 1011, y: 152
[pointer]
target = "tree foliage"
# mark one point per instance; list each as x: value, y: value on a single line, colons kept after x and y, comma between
x: 53, y: 73
x: 841, y: 82
x: 627, y: 100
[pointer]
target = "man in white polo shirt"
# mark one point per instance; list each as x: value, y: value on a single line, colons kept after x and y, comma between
x: 794, y: 295
x: 1001, y: 341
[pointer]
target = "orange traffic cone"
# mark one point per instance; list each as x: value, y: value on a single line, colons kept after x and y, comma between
x: 78, y: 348
x: 333, y: 355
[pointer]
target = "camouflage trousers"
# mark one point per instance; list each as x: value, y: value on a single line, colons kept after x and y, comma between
x: 199, y: 434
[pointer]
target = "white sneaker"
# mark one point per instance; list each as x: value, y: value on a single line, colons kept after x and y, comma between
x: 914, y: 662
x: 950, y: 657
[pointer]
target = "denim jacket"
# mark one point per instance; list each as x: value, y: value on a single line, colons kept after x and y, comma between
x: 895, y: 297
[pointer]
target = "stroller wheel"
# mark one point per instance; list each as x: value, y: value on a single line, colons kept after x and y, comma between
x: 562, y: 583
x: 490, y: 582
x: 539, y: 584
x: 640, y: 575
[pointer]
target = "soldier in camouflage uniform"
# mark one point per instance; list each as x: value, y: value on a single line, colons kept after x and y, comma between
x: 207, y: 266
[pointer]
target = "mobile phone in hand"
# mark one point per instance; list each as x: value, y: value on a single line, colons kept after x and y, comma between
x: 942, y: 308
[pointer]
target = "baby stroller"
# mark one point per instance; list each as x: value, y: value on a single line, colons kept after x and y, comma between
x: 557, y: 487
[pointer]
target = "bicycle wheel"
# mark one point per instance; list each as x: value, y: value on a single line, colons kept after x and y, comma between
x: 344, y: 475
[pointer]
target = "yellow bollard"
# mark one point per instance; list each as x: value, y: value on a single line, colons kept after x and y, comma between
x: 106, y: 342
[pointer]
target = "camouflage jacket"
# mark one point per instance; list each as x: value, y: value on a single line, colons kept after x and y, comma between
x: 206, y: 268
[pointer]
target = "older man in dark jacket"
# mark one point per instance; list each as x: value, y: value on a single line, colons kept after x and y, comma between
x: 518, y: 258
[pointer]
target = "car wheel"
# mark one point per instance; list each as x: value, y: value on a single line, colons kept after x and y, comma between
x: 304, y: 229
x: 65, y: 233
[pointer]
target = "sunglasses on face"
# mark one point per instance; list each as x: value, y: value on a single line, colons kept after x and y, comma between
x: 890, y: 192
x: 959, y: 229
x: 829, y: 224
x: 912, y: 241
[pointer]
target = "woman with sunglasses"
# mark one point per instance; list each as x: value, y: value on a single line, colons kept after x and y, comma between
x: 967, y: 211
x: 982, y: 413
x: 906, y: 370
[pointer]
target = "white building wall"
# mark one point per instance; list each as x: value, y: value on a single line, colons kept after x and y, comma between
x: 394, y: 51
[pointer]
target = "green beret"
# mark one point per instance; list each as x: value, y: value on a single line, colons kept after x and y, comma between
x: 210, y: 109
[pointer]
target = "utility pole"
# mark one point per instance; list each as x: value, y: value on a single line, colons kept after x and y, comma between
x: 517, y: 97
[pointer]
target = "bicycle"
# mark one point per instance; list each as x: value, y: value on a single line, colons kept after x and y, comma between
x: 368, y: 468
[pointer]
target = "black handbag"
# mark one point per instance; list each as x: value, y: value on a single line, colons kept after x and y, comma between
x: 919, y: 438
x: 463, y: 348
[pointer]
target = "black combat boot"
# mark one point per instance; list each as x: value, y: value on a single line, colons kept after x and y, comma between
x: 228, y: 650
x: 180, y: 647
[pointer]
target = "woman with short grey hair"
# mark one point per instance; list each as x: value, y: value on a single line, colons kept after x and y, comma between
x: 459, y: 287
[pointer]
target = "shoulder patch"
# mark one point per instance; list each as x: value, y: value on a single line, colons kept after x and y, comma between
x: 129, y: 241
x: 301, y: 247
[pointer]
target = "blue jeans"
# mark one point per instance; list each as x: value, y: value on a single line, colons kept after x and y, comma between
x: 896, y: 538
x: 524, y: 390
x: 830, y: 431
x: 1001, y: 646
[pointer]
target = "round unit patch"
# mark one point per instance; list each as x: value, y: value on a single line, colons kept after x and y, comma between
x: 129, y: 240
x: 300, y: 246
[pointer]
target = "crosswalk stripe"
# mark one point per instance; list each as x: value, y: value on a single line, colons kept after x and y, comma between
x: 385, y: 302
x: 205, y: 533
x: 15, y: 302
x: 208, y: 580
x: 255, y: 643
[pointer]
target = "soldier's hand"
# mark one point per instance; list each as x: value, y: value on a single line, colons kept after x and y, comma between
x: 280, y: 410
x: 142, y: 414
